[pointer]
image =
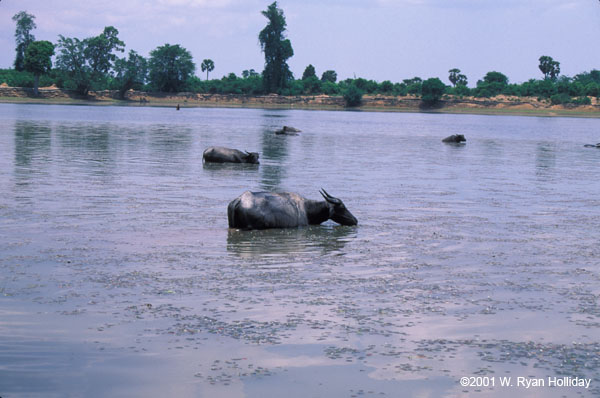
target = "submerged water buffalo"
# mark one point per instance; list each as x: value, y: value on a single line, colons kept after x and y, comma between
x: 219, y: 154
x: 288, y: 130
x: 455, y: 139
x: 262, y: 210
x: 592, y: 146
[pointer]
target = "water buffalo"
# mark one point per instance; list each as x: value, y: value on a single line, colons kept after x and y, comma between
x: 219, y: 154
x: 288, y: 130
x: 455, y: 139
x: 262, y: 210
x: 592, y: 146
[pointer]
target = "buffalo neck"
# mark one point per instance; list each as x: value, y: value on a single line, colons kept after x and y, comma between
x: 317, y: 212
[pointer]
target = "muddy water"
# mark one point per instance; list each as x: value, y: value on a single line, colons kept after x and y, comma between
x: 119, y: 276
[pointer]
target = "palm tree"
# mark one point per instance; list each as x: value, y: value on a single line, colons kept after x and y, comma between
x: 207, y: 65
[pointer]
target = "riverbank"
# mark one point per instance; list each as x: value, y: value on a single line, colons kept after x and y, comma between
x: 502, y: 105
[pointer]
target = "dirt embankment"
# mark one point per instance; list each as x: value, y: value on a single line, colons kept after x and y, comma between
x: 499, y: 104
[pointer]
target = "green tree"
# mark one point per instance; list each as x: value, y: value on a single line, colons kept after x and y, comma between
x: 558, y: 99
x: 400, y: 89
x: 432, y: 91
x: 549, y: 67
x: 170, y: 67
x: 277, y: 49
x: 312, y: 85
x: 71, y: 61
x: 230, y: 84
x: 588, y: 77
x: 493, y: 83
x: 207, y: 65
x: 309, y: 72
x: 38, y: 60
x: 251, y: 82
x: 453, y: 77
x: 99, y: 51
x: 413, y: 86
x: 329, y: 88
x: 386, y: 86
x: 461, y: 90
x: 457, y: 78
x: 329, y: 76
x: 353, y: 95
x: 293, y: 87
x: 369, y: 86
x: 592, y: 89
x: 495, y: 77
x: 584, y: 100
x: 545, y: 88
x: 23, y: 36
x: 87, y: 62
x: 130, y: 72
x: 249, y: 73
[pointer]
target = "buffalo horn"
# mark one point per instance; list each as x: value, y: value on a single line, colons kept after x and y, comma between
x: 329, y: 198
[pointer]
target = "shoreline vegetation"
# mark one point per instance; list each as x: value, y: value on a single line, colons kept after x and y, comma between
x: 498, y: 105
x: 89, y: 71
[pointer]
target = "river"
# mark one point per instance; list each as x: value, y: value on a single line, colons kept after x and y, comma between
x: 120, y: 277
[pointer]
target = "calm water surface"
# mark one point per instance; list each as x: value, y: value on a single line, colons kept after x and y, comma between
x: 119, y: 276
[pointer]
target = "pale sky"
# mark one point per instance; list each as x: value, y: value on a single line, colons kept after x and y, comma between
x: 375, y: 39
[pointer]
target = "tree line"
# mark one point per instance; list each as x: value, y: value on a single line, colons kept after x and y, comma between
x: 94, y: 63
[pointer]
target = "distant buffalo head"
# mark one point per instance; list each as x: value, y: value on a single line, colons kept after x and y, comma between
x: 252, y: 157
x: 456, y: 139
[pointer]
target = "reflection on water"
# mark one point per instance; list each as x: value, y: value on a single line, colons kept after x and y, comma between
x: 275, y: 151
x: 32, y: 148
x: 93, y: 147
x: 545, y: 160
x: 315, y: 238
x: 274, y: 147
x: 170, y: 148
x: 86, y: 142
x: 225, y: 169
x: 166, y: 141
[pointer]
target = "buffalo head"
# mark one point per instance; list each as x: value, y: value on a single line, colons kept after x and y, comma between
x: 252, y: 157
x: 337, y: 210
